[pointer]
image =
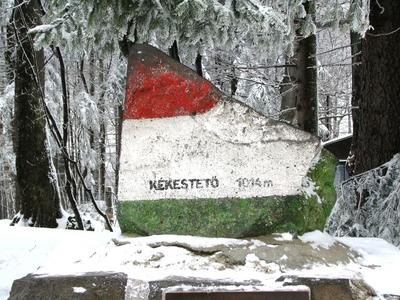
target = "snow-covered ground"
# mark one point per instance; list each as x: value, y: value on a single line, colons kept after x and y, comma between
x: 50, y: 251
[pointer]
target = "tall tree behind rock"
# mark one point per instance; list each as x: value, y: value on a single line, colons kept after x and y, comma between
x: 355, y: 40
x: 38, y: 191
x: 378, y: 137
x: 299, y: 88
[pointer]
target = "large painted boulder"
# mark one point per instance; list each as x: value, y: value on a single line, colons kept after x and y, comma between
x: 193, y: 162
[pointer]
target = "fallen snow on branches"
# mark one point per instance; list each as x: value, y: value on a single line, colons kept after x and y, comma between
x: 369, y: 205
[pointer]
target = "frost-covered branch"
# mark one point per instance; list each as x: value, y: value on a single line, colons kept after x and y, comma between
x: 369, y: 204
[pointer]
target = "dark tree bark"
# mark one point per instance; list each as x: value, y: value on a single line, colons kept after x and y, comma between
x: 119, y: 112
x: 307, y: 102
x: 299, y: 86
x: 83, y: 78
x: 378, y: 134
x: 38, y: 191
x: 328, y: 107
x: 70, y: 184
x: 92, y: 79
x: 174, y: 52
x: 288, y: 89
x: 102, y: 141
x: 10, y: 56
x: 355, y: 41
x: 199, y: 65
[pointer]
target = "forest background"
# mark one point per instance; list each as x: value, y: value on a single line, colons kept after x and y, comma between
x: 325, y: 66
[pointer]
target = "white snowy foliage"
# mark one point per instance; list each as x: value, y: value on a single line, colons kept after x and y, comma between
x: 7, y: 157
x: 334, y: 82
x: 344, y: 15
x: 249, y: 32
x: 233, y: 37
x: 264, y: 98
x: 359, y: 16
x: 194, y: 24
x: 369, y: 204
x: 5, y: 11
x: 7, y: 107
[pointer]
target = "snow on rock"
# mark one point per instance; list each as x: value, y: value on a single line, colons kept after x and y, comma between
x: 195, y: 243
x: 79, y: 290
x: 318, y: 239
x: 254, y: 262
x: 26, y: 250
x: 244, y: 288
x: 143, y: 259
x: 369, y: 205
x: 285, y: 236
x: 380, y: 263
x: 309, y: 188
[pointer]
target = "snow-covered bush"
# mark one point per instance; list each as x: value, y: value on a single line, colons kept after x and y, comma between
x: 369, y: 204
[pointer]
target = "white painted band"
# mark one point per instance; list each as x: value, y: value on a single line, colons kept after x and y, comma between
x: 244, y: 153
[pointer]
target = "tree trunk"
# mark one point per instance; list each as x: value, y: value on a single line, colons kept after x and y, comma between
x: 92, y: 134
x: 102, y: 141
x: 328, y: 108
x: 307, y: 102
x: 299, y: 86
x: 119, y: 112
x: 3, y: 65
x: 355, y: 42
x: 174, y: 52
x: 38, y: 189
x: 377, y: 137
x: 199, y: 65
x: 288, y: 90
x: 92, y: 79
x: 70, y: 183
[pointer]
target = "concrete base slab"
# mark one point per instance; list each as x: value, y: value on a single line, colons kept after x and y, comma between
x: 332, y: 288
x: 146, y: 267
x: 118, y: 286
x: 86, y: 286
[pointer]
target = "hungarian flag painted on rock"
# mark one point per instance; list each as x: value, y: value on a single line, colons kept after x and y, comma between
x: 194, y: 162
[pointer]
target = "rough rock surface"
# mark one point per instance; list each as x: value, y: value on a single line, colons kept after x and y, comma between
x: 238, y: 293
x: 333, y: 288
x: 116, y: 286
x: 104, y: 286
x: 152, y: 264
x: 193, y: 162
x: 153, y: 289
x: 89, y: 286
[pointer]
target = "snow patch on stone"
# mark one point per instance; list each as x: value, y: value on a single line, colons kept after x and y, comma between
x: 318, y: 239
x: 38, y: 250
x: 79, y: 290
x: 285, y: 236
x: 310, y: 189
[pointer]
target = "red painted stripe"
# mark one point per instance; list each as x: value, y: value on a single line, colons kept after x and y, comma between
x: 156, y: 92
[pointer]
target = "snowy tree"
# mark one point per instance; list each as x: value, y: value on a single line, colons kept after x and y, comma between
x: 7, y: 161
x: 299, y: 85
x: 37, y: 187
x: 378, y: 137
x: 239, y: 45
x: 246, y: 32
